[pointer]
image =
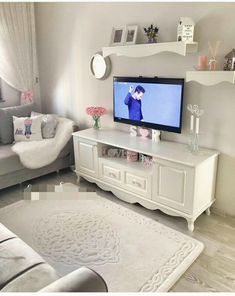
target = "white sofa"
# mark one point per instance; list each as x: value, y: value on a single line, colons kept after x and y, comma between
x: 23, y: 270
x: 12, y: 171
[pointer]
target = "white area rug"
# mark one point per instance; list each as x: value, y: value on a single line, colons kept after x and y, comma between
x: 132, y: 253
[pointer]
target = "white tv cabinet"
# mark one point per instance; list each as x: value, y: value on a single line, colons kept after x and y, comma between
x: 179, y: 183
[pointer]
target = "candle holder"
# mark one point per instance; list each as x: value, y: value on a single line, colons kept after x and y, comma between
x: 193, y: 144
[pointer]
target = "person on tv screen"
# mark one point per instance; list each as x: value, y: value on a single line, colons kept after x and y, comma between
x: 134, y: 102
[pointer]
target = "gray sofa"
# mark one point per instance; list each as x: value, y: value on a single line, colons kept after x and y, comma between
x: 11, y: 170
x: 23, y: 270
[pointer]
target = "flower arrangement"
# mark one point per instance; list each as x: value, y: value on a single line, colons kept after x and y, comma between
x: 96, y: 113
x: 151, y: 33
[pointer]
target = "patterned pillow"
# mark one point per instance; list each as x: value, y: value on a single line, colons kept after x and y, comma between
x: 6, y: 121
x: 49, y: 124
x: 27, y: 128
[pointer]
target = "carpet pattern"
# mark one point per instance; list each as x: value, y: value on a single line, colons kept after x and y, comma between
x: 131, y: 252
x: 86, y: 237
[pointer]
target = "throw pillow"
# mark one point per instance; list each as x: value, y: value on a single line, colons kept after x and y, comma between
x: 49, y: 124
x: 27, y: 128
x: 6, y: 121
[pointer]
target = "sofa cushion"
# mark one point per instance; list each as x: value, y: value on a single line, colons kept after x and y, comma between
x: 9, y: 160
x: 16, y: 258
x: 5, y: 233
x: 6, y: 120
x: 32, y: 280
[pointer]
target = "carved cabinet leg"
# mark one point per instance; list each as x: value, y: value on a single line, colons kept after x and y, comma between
x: 190, y: 225
x: 208, y: 211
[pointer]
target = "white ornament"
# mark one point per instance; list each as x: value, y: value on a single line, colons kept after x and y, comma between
x: 197, y: 125
x: 185, y: 29
x: 133, y: 131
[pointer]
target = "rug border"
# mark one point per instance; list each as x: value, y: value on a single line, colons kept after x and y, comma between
x: 181, y: 269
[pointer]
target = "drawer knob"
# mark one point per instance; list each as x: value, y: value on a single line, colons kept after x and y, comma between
x: 136, y: 183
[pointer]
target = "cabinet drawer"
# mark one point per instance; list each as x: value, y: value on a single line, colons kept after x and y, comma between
x: 138, y: 184
x: 110, y: 173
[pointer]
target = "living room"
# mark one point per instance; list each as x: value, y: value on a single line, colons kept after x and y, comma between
x: 126, y: 191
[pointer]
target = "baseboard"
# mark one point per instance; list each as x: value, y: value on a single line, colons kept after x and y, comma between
x: 221, y: 213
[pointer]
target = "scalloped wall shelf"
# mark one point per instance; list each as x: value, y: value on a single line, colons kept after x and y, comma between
x: 210, y: 77
x: 145, y: 50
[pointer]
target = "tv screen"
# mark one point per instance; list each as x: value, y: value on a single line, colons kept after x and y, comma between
x: 149, y: 102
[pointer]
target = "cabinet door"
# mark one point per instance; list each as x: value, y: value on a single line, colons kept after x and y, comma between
x: 174, y: 185
x: 86, y: 157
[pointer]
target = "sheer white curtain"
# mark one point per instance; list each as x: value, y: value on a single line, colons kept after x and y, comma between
x: 18, y: 62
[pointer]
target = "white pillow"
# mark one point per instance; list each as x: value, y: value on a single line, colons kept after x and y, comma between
x: 27, y: 128
x: 49, y: 124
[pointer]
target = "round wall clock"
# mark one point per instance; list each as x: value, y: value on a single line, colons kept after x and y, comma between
x: 100, y: 66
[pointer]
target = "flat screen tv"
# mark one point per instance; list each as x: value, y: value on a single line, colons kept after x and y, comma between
x: 149, y: 102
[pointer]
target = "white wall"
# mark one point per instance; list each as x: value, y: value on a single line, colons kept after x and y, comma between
x: 68, y: 34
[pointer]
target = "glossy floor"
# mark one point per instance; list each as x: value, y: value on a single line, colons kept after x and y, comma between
x: 213, y: 271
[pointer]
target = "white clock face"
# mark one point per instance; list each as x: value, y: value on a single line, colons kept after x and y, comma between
x: 100, y: 66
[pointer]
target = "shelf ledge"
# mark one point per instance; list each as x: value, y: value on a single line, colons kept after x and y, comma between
x: 145, y: 50
x: 209, y: 78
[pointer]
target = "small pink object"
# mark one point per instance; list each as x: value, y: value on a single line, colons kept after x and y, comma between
x: 26, y: 97
x: 202, y: 63
x: 144, y: 132
x: 132, y: 156
x: 212, y: 64
x: 28, y: 121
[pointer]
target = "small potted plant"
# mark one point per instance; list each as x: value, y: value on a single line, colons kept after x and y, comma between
x: 151, y: 33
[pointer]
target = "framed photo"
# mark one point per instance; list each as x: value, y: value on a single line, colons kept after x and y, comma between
x: 118, y: 36
x: 131, y: 34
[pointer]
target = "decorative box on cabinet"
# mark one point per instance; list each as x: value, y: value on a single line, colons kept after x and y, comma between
x: 178, y: 183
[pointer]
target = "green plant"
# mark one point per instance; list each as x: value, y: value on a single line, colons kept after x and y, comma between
x: 151, y: 32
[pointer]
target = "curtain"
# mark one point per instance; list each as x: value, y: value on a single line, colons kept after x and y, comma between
x: 18, y: 62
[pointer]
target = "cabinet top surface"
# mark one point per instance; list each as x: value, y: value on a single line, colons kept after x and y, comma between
x: 171, y: 151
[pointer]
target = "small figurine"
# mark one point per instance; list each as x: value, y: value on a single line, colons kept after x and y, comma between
x: 229, y: 64
x: 213, y: 52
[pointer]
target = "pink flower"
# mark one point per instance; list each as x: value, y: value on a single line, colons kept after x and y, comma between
x: 96, y: 112
x: 26, y: 97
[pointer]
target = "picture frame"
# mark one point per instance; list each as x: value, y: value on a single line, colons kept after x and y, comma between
x: 118, y: 36
x: 131, y: 34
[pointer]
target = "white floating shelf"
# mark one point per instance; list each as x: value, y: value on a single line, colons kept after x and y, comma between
x: 149, y: 49
x: 210, y: 77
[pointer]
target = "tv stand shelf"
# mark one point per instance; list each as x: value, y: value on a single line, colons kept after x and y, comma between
x: 178, y: 182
